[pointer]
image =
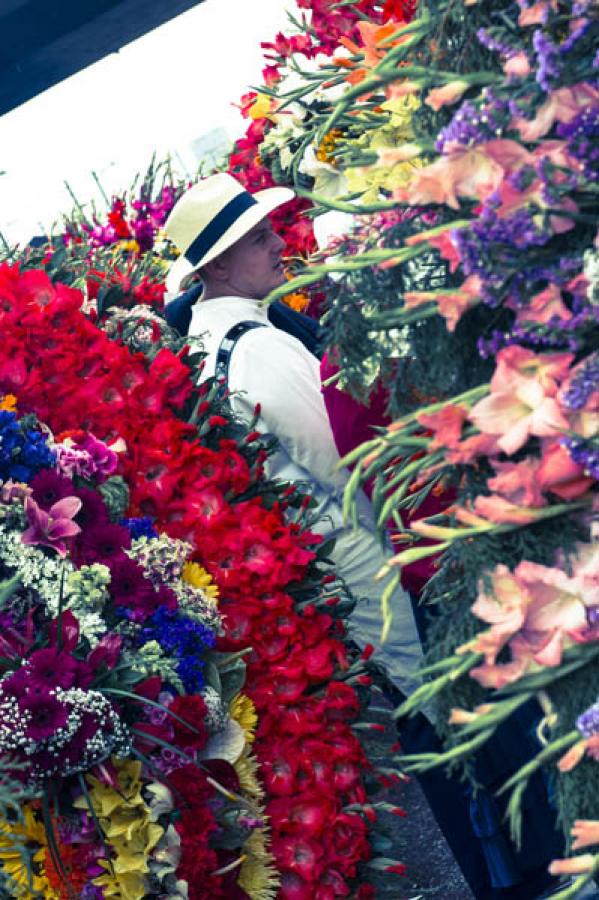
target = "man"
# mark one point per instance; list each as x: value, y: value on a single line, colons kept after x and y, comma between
x: 225, y: 235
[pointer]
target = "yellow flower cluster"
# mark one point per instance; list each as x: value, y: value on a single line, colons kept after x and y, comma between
x: 394, y: 132
x: 125, y: 819
x: 326, y: 149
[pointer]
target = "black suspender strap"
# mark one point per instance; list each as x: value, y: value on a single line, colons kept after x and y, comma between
x: 227, y: 345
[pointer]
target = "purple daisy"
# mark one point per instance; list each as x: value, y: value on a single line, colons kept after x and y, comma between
x: 49, y: 487
x: 51, y: 668
x: 102, y: 543
x: 130, y: 589
x: 46, y: 715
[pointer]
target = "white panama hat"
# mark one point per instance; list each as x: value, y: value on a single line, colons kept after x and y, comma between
x: 212, y: 216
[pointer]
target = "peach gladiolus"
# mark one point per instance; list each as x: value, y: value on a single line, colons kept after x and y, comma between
x: 453, y: 304
x: 557, y: 472
x: 446, y: 425
x: 576, y: 754
x: 441, y: 242
x: 518, y: 482
x: 447, y: 94
x: 467, y: 172
x: 562, y: 105
x: 517, y: 65
x: 536, y: 609
x: 543, y: 307
x: 495, y: 508
x: 536, y: 13
x: 585, y: 833
x: 471, y: 448
x: 576, y: 865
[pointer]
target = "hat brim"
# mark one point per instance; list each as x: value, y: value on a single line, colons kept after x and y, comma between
x: 267, y: 201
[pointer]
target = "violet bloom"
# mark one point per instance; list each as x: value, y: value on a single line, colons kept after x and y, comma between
x: 51, y: 528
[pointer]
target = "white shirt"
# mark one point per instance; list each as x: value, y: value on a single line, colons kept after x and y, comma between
x: 273, y: 368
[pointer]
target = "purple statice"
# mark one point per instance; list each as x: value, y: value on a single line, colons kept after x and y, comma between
x: 585, y: 453
x: 492, y: 248
x: 490, y: 38
x: 582, y: 135
x: 548, y: 60
x: 471, y: 125
x: 583, y: 383
x: 588, y: 722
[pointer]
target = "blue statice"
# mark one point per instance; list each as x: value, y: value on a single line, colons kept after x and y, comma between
x: 142, y: 526
x: 183, y: 639
x: 23, y: 448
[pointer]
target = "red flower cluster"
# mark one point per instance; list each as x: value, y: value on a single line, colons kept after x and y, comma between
x: 72, y: 375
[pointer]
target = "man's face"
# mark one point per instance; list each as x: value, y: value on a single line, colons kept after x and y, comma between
x: 254, y: 264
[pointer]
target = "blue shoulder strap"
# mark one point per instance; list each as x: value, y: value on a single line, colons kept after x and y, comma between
x: 227, y: 345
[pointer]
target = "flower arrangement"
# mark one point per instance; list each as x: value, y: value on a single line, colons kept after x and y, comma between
x: 469, y: 289
x: 190, y: 475
x: 110, y: 716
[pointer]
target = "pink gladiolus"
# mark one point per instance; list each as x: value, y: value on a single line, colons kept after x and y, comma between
x: 447, y: 94
x: 537, y: 610
x: 522, y: 399
x: 50, y: 529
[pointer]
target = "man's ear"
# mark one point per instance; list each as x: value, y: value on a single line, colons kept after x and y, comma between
x: 217, y: 269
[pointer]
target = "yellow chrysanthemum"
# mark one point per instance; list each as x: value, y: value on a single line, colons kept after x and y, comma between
x: 243, y: 711
x: 22, y: 855
x: 246, y: 769
x: 258, y: 876
x: 8, y: 402
x: 198, y: 577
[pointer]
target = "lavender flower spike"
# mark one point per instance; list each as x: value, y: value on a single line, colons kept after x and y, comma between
x: 51, y: 528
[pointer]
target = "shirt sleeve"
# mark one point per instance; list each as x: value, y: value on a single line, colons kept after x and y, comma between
x: 275, y: 370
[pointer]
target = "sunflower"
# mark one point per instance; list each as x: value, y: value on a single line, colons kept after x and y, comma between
x: 22, y: 855
x: 198, y: 577
x: 243, y: 711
